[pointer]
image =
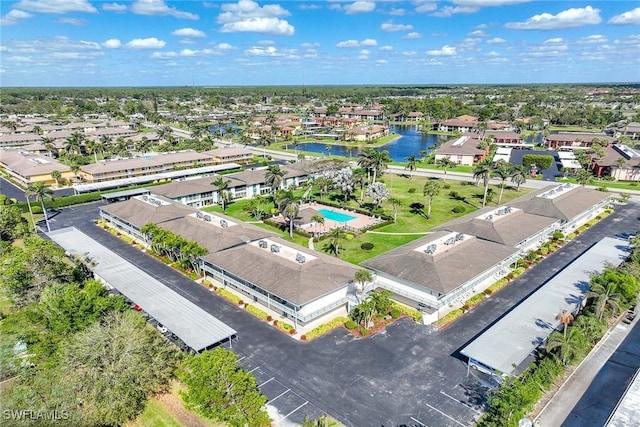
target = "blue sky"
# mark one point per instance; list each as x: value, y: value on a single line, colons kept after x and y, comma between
x: 247, y: 42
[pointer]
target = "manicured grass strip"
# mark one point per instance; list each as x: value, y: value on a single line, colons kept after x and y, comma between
x: 156, y: 415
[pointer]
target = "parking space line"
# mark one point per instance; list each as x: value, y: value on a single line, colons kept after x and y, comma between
x: 461, y: 402
x: 281, y: 394
x: 267, y: 381
x: 442, y: 413
x: 254, y: 369
x: 282, y: 419
x: 418, y: 421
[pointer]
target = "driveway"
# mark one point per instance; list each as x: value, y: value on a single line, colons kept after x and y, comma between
x: 549, y: 174
x: 405, y: 375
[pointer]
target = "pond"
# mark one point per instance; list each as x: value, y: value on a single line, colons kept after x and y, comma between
x: 411, y: 142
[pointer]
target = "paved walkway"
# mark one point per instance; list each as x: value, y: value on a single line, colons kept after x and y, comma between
x: 569, y: 394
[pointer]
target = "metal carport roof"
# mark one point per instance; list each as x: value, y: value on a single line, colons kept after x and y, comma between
x: 194, y: 326
x: 508, y: 343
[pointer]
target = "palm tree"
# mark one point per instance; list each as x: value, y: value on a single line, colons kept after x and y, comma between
x: 360, y: 180
x: 565, y: 318
x: 222, y: 185
x: 75, y: 168
x: 568, y: 345
x: 518, y: 175
x: 362, y: 277
x: 606, y: 296
x: 328, y: 147
x: 73, y: 143
x: 40, y: 192
x: 411, y: 164
x: 375, y: 162
x: 334, y: 245
x: 318, y: 219
x: 431, y: 189
x: 445, y: 163
x: 395, y: 205
x: 48, y: 145
x: 274, y: 177
x: 91, y: 149
x: 483, y: 171
x: 502, y: 170
x: 583, y: 177
x: 423, y: 154
x: 55, y: 174
x: 291, y: 211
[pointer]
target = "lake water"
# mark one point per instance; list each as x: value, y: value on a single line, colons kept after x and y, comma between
x: 410, y: 143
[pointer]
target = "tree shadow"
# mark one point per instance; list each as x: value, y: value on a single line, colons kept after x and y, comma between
x: 417, y: 208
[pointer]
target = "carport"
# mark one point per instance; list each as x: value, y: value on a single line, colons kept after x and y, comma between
x: 120, y: 196
x: 198, y: 329
x: 502, y: 349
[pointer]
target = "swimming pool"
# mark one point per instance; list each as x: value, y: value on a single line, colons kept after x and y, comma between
x: 335, y: 216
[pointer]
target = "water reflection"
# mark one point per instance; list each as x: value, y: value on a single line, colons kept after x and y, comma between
x: 410, y: 143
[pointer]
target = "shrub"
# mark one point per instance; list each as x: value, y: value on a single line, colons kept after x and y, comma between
x: 366, y: 246
x: 329, y: 326
x: 411, y: 312
x: 350, y: 324
x: 453, y: 194
x: 543, y: 250
x: 395, y: 313
x: 303, y: 338
x: 558, y: 235
x: 292, y: 331
x: 257, y: 312
x: 446, y: 186
x: 459, y: 209
x: 411, y: 190
x: 364, y: 331
x: 450, y: 317
x: 518, y: 271
x: 542, y: 161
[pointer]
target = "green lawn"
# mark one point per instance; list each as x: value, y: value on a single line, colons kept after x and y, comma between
x: 409, y: 220
x: 156, y: 415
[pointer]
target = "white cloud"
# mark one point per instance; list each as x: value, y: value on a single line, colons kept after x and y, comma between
x: 554, y: 40
x: 386, y: 48
x: 355, y: 43
x: 148, y: 43
x: 225, y: 46
x: 114, y: 7
x: 57, y: 50
x: 189, y: 33
x: 446, y: 50
x: 447, y: 11
x: 570, y: 18
x: 71, y: 21
x: 410, y: 53
x: 381, y: 61
x: 248, y: 16
x: 630, y: 40
x: 310, y: 45
x: 486, y: 3
x: 159, y: 8
x: 55, y: 6
x: 359, y: 7
x: 390, y: 26
x: 14, y: 16
x: 412, y: 36
x: 397, y: 12
x: 477, y: 33
x: 425, y: 6
x: 184, y: 53
x: 631, y: 17
x: 496, y: 40
x: 349, y: 43
x: 112, y: 44
x: 593, y: 39
x: 262, y: 51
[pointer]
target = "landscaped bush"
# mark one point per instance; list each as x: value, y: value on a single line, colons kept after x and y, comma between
x: 364, y: 331
x: 446, y: 186
x: 474, y: 300
x: 543, y: 250
x: 329, y: 326
x: 498, y: 285
x: 257, y: 312
x: 518, y: 272
x: 459, y: 209
x: 350, y: 324
x: 449, y: 317
x: 395, y: 313
x: 453, y: 194
x: 366, y: 246
x: 411, y: 312
x: 558, y: 235
x: 411, y: 190
x: 542, y: 161
x: 230, y: 296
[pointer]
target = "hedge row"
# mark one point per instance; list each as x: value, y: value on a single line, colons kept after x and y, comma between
x: 327, y: 327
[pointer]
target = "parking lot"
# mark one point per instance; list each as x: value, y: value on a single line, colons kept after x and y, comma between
x: 405, y: 375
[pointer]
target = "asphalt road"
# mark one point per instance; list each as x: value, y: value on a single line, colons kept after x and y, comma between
x: 406, y: 375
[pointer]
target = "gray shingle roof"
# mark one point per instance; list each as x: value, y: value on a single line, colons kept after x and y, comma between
x: 445, y: 270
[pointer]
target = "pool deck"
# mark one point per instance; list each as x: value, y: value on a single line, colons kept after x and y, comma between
x: 358, y: 222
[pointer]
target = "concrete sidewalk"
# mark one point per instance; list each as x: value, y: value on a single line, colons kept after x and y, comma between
x: 556, y: 411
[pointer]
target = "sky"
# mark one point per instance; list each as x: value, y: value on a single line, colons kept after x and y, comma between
x: 88, y: 43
